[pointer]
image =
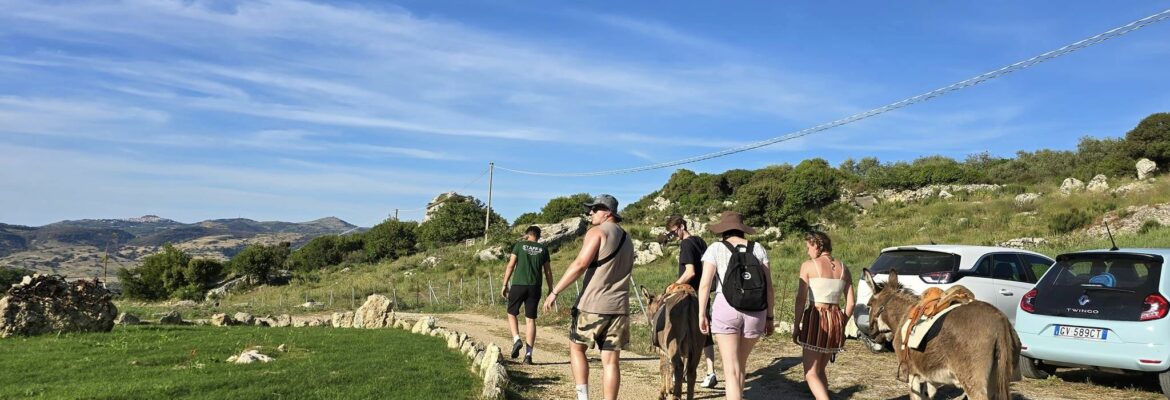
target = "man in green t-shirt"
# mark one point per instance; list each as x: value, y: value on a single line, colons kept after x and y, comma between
x: 529, y: 258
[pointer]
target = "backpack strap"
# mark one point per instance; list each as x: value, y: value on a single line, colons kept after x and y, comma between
x: 596, y: 264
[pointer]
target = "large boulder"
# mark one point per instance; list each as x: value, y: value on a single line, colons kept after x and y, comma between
x: 491, y: 253
x: 1071, y: 185
x: 1145, y: 168
x: 48, y: 304
x: 491, y: 356
x: 244, y: 318
x: 343, y: 320
x: 425, y: 325
x: 222, y: 319
x: 228, y: 286
x: 646, y: 252
x: 127, y: 319
x: 376, y: 312
x: 282, y: 321
x: 553, y: 235
x: 172, y: 318
x: 495, y: 383
x: 1024, y: 199
x: 1098, y: 184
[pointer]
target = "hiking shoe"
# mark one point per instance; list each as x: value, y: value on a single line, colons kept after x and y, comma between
x: 516, y: 346
x: 709, y: 382
x: 528, y: 359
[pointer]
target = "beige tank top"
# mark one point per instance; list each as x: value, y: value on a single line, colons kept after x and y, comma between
x: 826, y: 290
x: 607, y: 286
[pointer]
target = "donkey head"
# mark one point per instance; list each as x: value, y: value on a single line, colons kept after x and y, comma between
x: 879, y: 318
x: 652, y: 302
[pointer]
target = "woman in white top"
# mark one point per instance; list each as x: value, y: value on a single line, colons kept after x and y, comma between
x: 820, y: 329
x: 735, y: 331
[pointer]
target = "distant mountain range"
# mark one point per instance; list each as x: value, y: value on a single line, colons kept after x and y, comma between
x: 75, y: 248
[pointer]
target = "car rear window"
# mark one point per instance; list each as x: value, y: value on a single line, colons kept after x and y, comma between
x: 914, y: 262
x: 1108, y: 286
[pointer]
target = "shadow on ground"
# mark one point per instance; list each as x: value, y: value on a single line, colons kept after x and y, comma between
x: 771, y: 382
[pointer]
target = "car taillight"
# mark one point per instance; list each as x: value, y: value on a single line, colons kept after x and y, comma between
x: 939, y: 277
x: 1026, y: 302
x: 1156, y: 307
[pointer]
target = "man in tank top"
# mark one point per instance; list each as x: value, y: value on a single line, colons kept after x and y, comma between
x: 601, y: 315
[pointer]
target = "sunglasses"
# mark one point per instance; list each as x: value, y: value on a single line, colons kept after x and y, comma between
x: 595, y: 209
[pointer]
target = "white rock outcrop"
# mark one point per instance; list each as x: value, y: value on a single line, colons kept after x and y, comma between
x: 552, y: 235
x: 1145, y: 168
x: 1098, y: 184
x: 1024, y: 242
x: 249, y: 356
x: 1071, y: 185
x: 646, y: 252
x: 376, y: 312
x: 493, y: 253
x: 1024, y: 199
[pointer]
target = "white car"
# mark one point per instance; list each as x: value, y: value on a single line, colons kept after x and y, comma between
x: 997, y: 275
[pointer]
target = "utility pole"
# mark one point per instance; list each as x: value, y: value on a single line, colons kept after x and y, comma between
x: 395, y: 214
x: 487, y: 219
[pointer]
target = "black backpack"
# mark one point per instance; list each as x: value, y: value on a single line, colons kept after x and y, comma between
x: 745, y: 284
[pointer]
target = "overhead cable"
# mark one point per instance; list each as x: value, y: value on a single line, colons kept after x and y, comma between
x: 966, y: 83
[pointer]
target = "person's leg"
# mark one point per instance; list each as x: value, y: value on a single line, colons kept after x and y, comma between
x: 822, y: 366
x: 709, y: 354
x: 746, y: 345
x: 514, y: 326
x: 611, y: 376
x: 530, y: 307
x: 812, y: 361
x: 529, y: 335
x: 729, y: 353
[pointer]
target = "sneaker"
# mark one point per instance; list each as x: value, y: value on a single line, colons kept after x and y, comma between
x: 709, y: 382
x: 516, y: 346
x: 528, y: 359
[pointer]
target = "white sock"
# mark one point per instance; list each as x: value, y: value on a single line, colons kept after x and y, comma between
x: 582, y: 392
x: 515, y: 339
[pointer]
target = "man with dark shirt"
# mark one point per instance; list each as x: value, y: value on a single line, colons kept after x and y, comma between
x: 690, y: 270
x: 528, y: 262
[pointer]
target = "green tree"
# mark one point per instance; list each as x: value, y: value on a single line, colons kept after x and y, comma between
x: 560, y: 208
x: 157, y: 276
x: 1151, y: 139
x: 393, y: 238
x: 1103, y: 156
x: 455, y: 222
x: 259, y: 261
x: 526, y: 219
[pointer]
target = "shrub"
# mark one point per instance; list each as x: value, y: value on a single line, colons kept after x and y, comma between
x: 1103, y: 156
x: 1069, y: 221
x: 391, y: 239
x: 327, y: 251
x: 1148, y: 226
x: 170, y: 273
x: 788, y: 197
x: 526, y: 219
x: 560, y: 208
x: 1151, y: 139
x: 260, y: 261
x: 9, y: 276
x: 455, y: 222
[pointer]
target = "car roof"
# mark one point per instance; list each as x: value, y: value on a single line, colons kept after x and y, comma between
x: 968, y: 254
x: 1164, y: 252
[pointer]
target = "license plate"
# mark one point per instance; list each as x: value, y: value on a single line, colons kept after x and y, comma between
x: 1081, y: 332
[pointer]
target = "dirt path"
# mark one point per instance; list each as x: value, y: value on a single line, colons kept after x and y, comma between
x: 774, y: 371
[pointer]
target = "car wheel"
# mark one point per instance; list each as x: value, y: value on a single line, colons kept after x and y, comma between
x: 1164, y: 382
x: 1032, y: 369
x: 874, y: 347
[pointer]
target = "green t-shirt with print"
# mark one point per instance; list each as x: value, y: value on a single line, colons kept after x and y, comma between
x: 530, y: 257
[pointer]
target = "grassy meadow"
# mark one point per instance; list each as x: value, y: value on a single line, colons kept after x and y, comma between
x: 188, y: 362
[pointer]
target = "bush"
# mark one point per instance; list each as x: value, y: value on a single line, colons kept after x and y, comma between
x: 391, y: 239
x: 789, y: 197
x: 455, y: 222
x: 10, y: 276
x: 327, y: 251
x: 1151, y: 139
x: 169, y: 274
x: 260, y: 261
x: 1148, y: 226
x: 526, y: 219
x: 1069, y: 221
x: 1103, y: 156
x: 560, y: 208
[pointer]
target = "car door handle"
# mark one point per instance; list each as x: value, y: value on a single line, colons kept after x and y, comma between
x: 1006, y: 292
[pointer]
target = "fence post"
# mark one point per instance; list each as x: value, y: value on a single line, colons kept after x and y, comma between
x: 478, y: 292
x: 448, y: 291
x: 352, y: 298
x: 461, y: 292
x: 491, y: 290
x: 394, y: 295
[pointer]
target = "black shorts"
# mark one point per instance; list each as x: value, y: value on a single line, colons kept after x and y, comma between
x: 528, y: 295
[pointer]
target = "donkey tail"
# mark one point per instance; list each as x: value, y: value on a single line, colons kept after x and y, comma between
x: 1005, y: 365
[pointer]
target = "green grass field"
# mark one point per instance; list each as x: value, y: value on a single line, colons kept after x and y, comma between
x: 169, y: 362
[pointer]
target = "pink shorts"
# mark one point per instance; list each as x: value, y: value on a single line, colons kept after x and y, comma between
x: 725, y: 319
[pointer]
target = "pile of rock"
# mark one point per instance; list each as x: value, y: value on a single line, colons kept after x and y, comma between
x: 490, y: 254
x: 1098, y: 184
x: 1024, y: 199
x: 940, y: 191
x: 646, y: 252
x: 1024, y: 242
x: 1071, y: 185
x: 48, y: 304
x: 1136, y: 216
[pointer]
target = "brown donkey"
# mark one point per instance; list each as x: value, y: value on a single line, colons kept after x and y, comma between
x: 975, y: 348
x: 677, y: 336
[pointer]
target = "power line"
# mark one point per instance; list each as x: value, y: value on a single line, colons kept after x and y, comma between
x: 966, y: 83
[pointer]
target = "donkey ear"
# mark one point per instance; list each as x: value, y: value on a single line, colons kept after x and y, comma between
x: 646, y: 294
x: 869, y: 280
x: 893, y: 281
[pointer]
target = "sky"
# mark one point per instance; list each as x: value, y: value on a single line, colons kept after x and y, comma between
x: 297, y: 110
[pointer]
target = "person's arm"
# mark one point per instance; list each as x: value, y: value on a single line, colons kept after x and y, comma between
x: 705, y: 283
x: 801, y: 294
x: 687, y: 275
x: 770, y: 323
x: 548, y: 277
x: 850, y: 297
x: 508, y: 275
x: 577, y: 267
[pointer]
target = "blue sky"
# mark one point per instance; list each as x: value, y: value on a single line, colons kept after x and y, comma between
x: 293, y: 110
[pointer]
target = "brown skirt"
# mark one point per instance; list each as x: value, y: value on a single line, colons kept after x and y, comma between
x: 822, y: 329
